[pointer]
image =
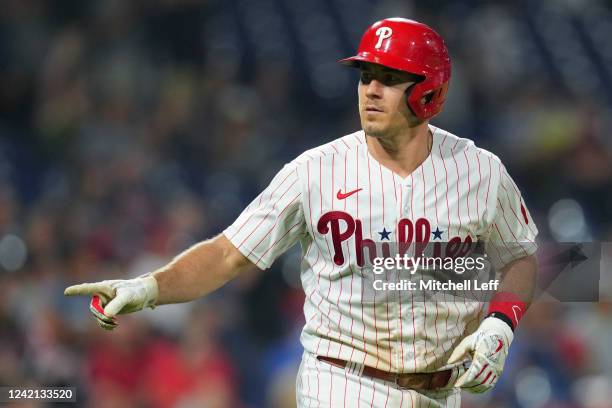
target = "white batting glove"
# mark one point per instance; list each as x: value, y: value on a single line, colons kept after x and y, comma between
x: 488, y: 347
x: 113, y: 297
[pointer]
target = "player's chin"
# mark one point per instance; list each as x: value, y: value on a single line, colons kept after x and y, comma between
x: 373, y: 129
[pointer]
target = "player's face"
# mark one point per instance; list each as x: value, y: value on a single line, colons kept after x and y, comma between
x: 382, y: 100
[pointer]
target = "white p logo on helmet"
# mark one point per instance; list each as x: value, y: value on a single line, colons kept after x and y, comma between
x: 383, y: 33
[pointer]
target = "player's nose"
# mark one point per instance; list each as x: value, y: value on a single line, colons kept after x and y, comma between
x: 374, y: 89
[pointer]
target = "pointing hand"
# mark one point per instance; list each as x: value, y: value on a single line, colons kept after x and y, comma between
x: 113, y: 297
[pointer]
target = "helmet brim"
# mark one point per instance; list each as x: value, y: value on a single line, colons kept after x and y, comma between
x: 389, y: 61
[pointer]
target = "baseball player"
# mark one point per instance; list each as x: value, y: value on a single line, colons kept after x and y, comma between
x: 399, y: 179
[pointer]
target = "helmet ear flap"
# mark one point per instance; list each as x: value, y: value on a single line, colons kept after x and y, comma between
x: 425, y: 102
x: 410, y: 97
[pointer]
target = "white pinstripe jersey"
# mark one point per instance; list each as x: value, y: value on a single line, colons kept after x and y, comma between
x: 459, y: 191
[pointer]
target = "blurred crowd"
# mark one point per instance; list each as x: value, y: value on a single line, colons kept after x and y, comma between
x: 130, y: 130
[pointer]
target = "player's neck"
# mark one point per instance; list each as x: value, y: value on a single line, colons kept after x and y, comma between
x: 402, y: 153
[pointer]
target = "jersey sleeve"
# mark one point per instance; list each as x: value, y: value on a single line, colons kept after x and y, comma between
x: 273, y: 222
x: 512, y: 233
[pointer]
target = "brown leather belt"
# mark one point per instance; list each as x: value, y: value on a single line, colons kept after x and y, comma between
x: 415, y: 381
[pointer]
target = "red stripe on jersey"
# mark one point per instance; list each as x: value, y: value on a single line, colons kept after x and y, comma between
x: 340, y: 278
x: 448, y: 215
x: 370, y: 193
x: 333, y: 265
x: 457, y: 188
x: 370, y: 222
x: 382, y: 190
x: 414, y: 360
x: 357, y: 151
x: 478, y: 188
x: 332, y: 181
x: 345, y: 386
x: 467, y: 196
x: 331, y: 386
x: 387, y: 399
x: 459, y: 198
x: 427, y: 238
x: 348, y: 251
x: 457, y: 326
x: 503, y: 240
x: 412, y: 197
x: 312, y: 227
x: 321, y: 185
x: 433, y: 167
x: 351, y: 303
x: 326, y: 238
x: 424, y: 191
x: 357, y: 172
x: 448, y: 232
x: 446, y: 180
x: 499, y: 257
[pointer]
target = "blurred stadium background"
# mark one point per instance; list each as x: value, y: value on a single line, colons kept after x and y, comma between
x: 132, y: 129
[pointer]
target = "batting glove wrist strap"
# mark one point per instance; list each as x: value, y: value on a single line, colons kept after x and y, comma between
x: 503, y: 318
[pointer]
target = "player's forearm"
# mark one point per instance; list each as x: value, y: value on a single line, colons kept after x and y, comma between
x: 519, y: 277
x: 199, y: 270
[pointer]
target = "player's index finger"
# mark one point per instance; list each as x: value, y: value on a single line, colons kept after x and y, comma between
x: 85, y: 289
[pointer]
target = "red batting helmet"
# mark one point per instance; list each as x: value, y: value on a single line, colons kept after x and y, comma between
x: 410, y: 46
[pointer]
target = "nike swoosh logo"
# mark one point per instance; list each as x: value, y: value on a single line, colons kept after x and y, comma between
x: 499, y: 346
x: 342, y: 196
x: 515, y: 315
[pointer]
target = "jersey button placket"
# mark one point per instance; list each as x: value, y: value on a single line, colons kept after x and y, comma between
x: 406, y: 198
